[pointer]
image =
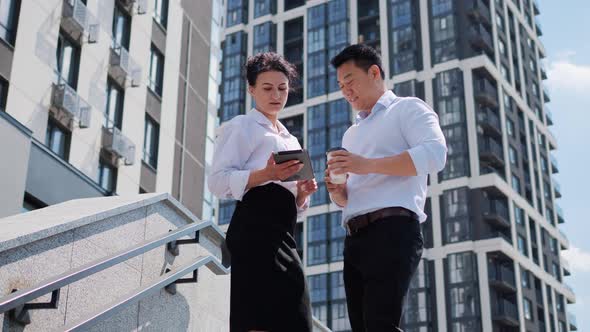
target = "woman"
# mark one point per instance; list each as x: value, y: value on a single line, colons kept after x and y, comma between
x: 268, y: 288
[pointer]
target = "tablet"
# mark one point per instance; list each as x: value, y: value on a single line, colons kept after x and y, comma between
x: 306, y: 173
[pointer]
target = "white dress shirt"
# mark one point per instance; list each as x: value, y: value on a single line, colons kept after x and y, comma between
x: 243, y: 145
x: 394, y: 125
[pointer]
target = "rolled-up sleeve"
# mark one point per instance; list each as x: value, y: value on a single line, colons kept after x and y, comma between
x: 421, y: 129
x: 228, y: 178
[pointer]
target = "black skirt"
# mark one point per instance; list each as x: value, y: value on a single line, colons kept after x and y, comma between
x: 268, y: 287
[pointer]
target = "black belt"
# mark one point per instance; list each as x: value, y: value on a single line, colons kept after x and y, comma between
x: 359, y: 222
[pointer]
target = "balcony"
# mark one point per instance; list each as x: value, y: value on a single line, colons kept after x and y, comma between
x: 485, y: 93
x: 495, y: 212
x: 571, y: 318
x: 546, y: 97
x: 502, y: 278
x: 122, y: 67
x: 543, y: 70
x: 538, y: 27
x: 489, y: 121
x: 481, y: 38
x: 565, y: 264
x: 559, y: 211
x: 477, y: 10
x: 554, y: 164
x: 78, y: 23
x: 557, y: 188
x: 67, y: 106
x: 505, y: 312
x: 119, y: 146
x: 490, y: 151
x: 134, y: 6
x: 548, y: 115
x: 536, y: 7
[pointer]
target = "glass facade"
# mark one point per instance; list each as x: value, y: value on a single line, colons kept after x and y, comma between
x: 237, y: 12
x: 405, y: 51
x: 420, y: 307
x: 293, y: 46
x: 461, y: 286
x: 326, y: 124
x: 327, y: 35
x: 265, y: 37
x: 325, y: 238
x: 449, y: 103
x: 443, y: 31
x: 328, y: 300
x: 264, y: 7
x: 455, y: 215
x: 233, y: 86
x: 368, y: 23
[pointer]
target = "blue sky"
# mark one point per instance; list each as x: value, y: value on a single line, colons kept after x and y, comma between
x: 566, y: 29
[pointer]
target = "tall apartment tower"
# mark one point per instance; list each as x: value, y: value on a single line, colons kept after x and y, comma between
x: 492, y: 260
x: 105, y: 97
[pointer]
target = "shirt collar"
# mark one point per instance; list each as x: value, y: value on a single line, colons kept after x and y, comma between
x: 263, y: 120
x: 382, y: 103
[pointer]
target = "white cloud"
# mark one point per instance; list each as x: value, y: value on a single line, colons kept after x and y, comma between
x: 567, y: 76
x: 579, y: 259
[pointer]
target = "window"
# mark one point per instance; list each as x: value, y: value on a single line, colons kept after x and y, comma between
x: 555, y: 271
x: 290, y: 4
x: 527, y: 308
x: 444, y: 41
x: 31, y: 203
x: 293, y: 46
x: 237, y: 12
x: 150, y: 142
x: 518, y: 215
x: 156, y: 71
x: 328, y: 300
x: 226, y: 211
x: 462, y: 292
x: 525, y: 278
x: 455, y: 215
x: 121, y: 28
x: 325, y: 238
x: 57, y: 139
x: 107, y: 176
x: 512, y: 154
x: 3, y: 94
x: 522, y: 245
x: 516, y: 183
x: 264, y: 7
x: 161, y: 12
x: 325, y: 127
x: 113, y: 115
x: 8, y: 20
x: 510, y: 127
x: 67, y: 60
x: 264, y: 38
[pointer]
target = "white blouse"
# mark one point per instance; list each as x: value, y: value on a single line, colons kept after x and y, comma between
x: 242, y: 145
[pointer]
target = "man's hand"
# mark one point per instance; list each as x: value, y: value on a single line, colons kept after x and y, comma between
x: 346, y: 162
x: 282, y: 171
x: 338, y: 192
x: 304, y: 189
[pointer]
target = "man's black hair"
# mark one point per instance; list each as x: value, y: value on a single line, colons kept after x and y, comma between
x: 362, y: 55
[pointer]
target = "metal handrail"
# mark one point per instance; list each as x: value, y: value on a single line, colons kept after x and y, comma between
x: 21, y: 297
x: 142, y: 292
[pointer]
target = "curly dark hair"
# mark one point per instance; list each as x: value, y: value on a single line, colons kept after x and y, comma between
x: 270, y: 61
x: 364, y: 57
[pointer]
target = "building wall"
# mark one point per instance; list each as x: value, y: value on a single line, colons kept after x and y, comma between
x: 180, y: 111
x: 484, y: 93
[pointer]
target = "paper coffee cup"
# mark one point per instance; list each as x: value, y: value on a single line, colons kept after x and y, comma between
x: 336, y: 178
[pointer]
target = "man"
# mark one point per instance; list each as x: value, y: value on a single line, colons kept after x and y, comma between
x: 395, y: 143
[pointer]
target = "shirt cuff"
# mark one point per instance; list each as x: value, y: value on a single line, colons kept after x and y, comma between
x: 303, y: 208
x: 237, y: 183
x: 420, y: 159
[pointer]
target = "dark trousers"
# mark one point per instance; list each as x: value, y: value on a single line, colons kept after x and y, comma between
x: 379, y: 262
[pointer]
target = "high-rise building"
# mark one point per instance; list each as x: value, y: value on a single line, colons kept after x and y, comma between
x: 105, y: 97
x: 492, y: 260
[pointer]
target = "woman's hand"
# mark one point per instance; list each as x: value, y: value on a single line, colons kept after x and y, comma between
x: 304, y: 189
x: 282, y: 171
